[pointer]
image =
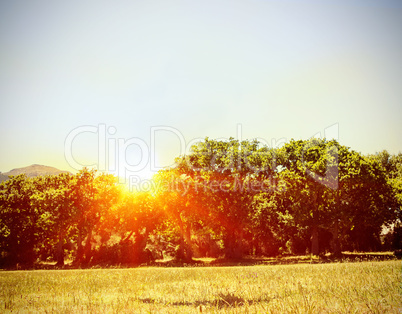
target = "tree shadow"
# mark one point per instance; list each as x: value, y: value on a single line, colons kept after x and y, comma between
x: 246, y: 261
x: 301, y: 259
x: 223, y: 300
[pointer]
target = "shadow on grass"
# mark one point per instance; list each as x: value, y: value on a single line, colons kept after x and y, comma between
x: 280, y: 260
x: 223, y: 300
x: 247, y: 261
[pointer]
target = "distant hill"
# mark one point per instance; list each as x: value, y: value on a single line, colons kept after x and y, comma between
x: 32, y: 171
x: 3, y: 177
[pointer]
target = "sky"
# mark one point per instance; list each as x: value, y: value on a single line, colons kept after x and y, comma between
x: 128, y: 86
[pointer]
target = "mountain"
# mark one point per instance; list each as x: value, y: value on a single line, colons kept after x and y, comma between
x: 3, y: 177
x: 32, y: 171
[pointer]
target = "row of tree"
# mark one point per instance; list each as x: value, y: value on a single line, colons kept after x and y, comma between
x: 225, y: 198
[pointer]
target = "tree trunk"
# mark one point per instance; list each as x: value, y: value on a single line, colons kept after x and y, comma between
x: 335, y: 240
x: 60, y: 251
x: 141, y: 244
x: 80, y: 249
x: 335, y: 234
x: 88, y: 248
x: 127, y: 237
x: 315, y: 250
x: 29, y: 255
x: 189, y: 250
x: 233, y: 246
x: 185, y: 251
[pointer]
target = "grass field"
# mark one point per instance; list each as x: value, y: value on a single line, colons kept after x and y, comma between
x: 366, y: 287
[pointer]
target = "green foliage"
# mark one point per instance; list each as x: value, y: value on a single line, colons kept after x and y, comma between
x: 329, y: 187
x: 20, y: 221
x: 225, y: 176
x: 232, y: 198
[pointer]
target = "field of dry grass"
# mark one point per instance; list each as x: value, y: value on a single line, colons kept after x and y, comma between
x: 365, y: 287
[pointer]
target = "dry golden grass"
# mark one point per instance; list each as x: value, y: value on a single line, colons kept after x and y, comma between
x: 366, y: 287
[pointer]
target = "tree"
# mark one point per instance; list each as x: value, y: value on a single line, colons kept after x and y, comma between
x: 309, y: 177
x: 18, y: 221
x: 392, y: 165
x: 366, y: 199
x: 93, y: 198
x: 225, y: 176
x: 55, y: 199
x: 176, y: 200
x: 330, y: 187
x: 136, y: 216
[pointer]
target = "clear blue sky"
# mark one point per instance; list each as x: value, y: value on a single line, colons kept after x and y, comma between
x: 276, y: 69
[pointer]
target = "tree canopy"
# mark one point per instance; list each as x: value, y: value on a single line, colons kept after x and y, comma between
x: 224, y: 198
